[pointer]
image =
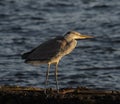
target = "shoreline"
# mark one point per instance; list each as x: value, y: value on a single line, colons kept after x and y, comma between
x: 79, y: 95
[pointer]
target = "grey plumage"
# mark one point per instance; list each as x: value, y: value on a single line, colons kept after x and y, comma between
x: 44, y: 51
x: 51, y: 51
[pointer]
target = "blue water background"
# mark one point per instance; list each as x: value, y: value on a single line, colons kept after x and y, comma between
x: 24, y: 24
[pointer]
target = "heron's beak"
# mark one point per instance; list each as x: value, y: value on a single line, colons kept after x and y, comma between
x: 85, y: 37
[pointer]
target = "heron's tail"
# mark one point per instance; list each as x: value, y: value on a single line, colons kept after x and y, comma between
x: 25, y: 55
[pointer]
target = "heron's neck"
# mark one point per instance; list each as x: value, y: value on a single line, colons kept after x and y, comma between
x: 68, y: 39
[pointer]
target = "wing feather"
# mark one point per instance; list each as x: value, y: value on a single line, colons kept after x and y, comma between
x: 44, y: 51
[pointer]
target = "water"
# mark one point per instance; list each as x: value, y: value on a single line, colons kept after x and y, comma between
x: 24, y: 24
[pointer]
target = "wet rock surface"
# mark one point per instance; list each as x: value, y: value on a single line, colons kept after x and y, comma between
x: 79, y: 95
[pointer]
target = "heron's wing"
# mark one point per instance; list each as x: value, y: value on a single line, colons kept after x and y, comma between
x: 45, y: 51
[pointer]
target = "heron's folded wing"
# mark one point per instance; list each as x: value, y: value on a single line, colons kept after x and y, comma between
x: 45, y: 51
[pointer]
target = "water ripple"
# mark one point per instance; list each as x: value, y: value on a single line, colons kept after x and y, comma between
x: 94, y: 63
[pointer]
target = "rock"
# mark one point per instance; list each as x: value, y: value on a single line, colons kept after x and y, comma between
x: 80, y: 95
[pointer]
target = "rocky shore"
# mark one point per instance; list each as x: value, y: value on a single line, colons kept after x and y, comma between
x: 79, y: 95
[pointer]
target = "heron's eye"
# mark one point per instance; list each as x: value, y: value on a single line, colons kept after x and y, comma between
x: 68, y: 32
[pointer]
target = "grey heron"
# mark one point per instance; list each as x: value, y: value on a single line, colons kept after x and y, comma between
x: 51, y: 51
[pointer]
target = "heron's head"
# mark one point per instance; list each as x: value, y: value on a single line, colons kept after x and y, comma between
x: 76, y: 35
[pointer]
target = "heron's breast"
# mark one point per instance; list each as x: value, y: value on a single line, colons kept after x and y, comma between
x: 69, y: 47
x: 65, y: 49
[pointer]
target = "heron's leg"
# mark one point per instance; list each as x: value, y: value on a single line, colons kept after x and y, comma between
x: 56, y: 76
x: 47, y: 75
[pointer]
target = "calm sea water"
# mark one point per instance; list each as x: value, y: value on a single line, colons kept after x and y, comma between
x: 24, y: 24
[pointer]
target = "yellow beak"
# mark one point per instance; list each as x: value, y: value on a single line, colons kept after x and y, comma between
x: 85, y: 37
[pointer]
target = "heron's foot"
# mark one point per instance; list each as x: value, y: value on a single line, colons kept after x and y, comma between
x: 58, y: 91
x: 45, y: 90
x: 49, y: 90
